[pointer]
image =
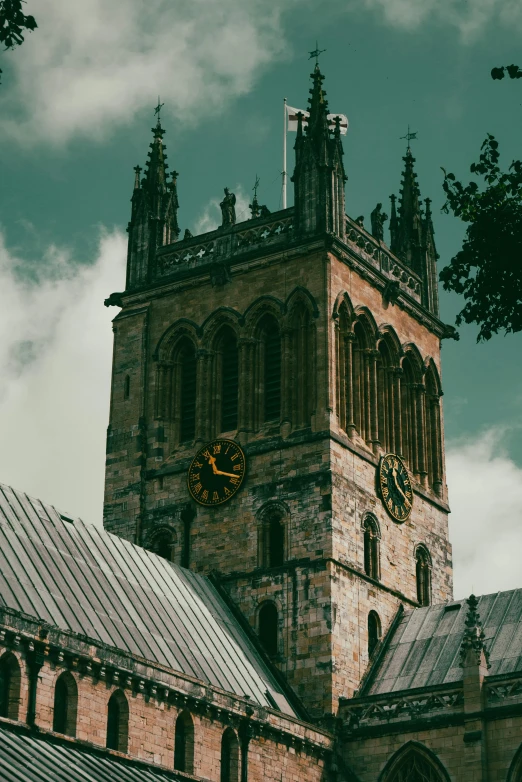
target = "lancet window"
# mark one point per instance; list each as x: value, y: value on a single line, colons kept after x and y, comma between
x: 301, y: 365
x: 65, y: 704
x: 118, y: 722
x: 227, y: 371
x: 185, y: 368
x: 434, y: 429
x: 229, y: 757
x: 184, y: 743
x: 374, y: 631
x: 10, y: 679
x: 415, y: 762
x: 270, y: 370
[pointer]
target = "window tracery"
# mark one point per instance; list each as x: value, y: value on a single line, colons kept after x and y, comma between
x: 371, y: 547
x: 423, y: 575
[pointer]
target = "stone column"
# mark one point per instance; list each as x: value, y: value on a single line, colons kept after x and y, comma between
x: 397, y: 413
x: 374, y: 401
x: 204, y: 407
x: 437, y: 456
x: 348, y: 380
x: 245, y: 422
x: 420, y: 439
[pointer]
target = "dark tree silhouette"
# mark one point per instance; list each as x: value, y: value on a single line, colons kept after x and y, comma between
x: 13, y: 24
x: 487, y: 270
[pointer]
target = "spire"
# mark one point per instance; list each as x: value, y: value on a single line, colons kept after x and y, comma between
x: 410, y: 225
x: 473, y: 638
x: 319, y: 172
x: 154, y: 221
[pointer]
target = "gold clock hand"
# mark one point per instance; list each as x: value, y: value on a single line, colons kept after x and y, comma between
x: 228, y: 474
x: 394, y: 473
x: 212, y: 462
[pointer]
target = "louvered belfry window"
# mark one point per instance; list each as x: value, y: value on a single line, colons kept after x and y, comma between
x: 188, y: 394
x: 229, y: 383
x: 272, y: 374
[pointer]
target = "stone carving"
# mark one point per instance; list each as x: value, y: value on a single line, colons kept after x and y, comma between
x: 378, y: 218
x: 187, y: 234
x: 360, y: 221
x: 228, y: 209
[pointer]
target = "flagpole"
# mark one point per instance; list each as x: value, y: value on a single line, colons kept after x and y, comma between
x: 284, y: 153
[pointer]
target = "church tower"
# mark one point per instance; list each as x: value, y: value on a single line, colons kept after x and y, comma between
x: 312, y: 349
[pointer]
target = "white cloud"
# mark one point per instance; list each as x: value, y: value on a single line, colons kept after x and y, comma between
x: 485, y: 493
x: 55, y: 367
x: 210, y: 218
x: 469, y: 18
x: 91, y: 66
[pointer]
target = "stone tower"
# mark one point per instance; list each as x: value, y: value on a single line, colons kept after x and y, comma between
x: 317, y: 348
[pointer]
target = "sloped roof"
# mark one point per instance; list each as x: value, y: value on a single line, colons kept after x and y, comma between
x: 424, y: 648
x: 77, y: 577
x: 35, y: 758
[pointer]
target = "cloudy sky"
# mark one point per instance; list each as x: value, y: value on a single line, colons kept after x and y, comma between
x: 76, y: 112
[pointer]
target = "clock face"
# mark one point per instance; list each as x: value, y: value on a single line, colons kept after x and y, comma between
x: 395, y: 486
x: 217, y: 472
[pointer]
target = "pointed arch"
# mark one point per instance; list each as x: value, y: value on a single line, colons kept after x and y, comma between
x: 343, y: 316
x: 223, y: 316
x: 117, y: 722
x: 10, y: 681
x: 164, y: 543
x: 184, y: 743
x: 176, y: 382
x: 388, y: 352
x: 65, y: 704
x: 434, y: 450
x: 225, y: 379
x: 414, y: 762
x: 272, y: 527
x: 343, y: 303
x: 374, y: 631
x: 515, y: 769
x: 413, y: 413
x: 268, y: 366
x: 183, y: 327
x: 301, y: 295
x: 362, y: 381
x: 260, y: 308
x: 229, y: 756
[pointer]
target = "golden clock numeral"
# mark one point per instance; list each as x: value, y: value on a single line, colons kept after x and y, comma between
x: 217, y: 449
x: 408, y: 494
x: 198, y: 464
x: 215, y: 497
x: 407, y: 503
x: 390, y: 503
x: 197, y: 488
x: 385, y: 491
x: 237, y: 468
x: 234, y: 457
x: 228, y: 493
x: 195, y: 476
x: 206, y: 454
x: 228, y: 449
x: 235, y: 480
x: 204, y: 496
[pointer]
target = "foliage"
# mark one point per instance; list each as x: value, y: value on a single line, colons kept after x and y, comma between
x: 488, y: 268
x: 514, y: 72
x: 13, y: 23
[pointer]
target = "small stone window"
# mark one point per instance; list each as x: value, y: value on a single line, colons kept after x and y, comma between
x: 269, y: 628
x: 118, y: 722
x: 423, y: 576
x: 9, y: 686
x: 184, y: 743
x: 163, y: 545
x: 371, y: 547
x: 272, y: 551
x: 229, y: 757
x: 65, y: 704
x: 374, y: 631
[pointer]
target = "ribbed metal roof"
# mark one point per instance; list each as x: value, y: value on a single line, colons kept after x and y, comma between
x: 77, y: 577
x: 37, y: 759
x: 424, y: 649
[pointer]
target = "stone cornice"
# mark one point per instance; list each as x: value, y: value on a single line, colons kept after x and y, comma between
x: 101, y: 662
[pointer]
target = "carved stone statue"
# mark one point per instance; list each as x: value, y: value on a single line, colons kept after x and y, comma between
x: 228, y: 209
x: 360, y: 220
x: 187, y: 234
x: 378, y: 219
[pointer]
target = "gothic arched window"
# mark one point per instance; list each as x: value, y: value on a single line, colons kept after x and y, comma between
x: 187, y: 391
x: 408, y: 417
x: 423, y: 575
x: 184, y: 743
x: 272, y: 548
x: 163, y: 545
x: 269, y: 628
x: 65, y: 704
x: 118, y: 722
x: 515, y: 770
x: 414, y: 763
x: 271, y: 372
x: 228, y: 380
x: 302, y: 357
x: 371, y: 547
x: 10, y: 679
x: 374, y: 631
x: 385, y: 392
x: 229, y: 757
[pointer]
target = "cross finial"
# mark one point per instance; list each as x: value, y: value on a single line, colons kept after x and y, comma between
x: 157, y: 110
x: 256, y: 185
x: 316, y: 52
x: 409, y: 136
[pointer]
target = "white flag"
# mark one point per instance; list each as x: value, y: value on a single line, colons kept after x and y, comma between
x: 292, y: 120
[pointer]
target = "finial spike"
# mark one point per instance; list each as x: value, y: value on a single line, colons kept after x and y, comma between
x: 409, y: 137
x: 316, y: 52
x: 157, y: 111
